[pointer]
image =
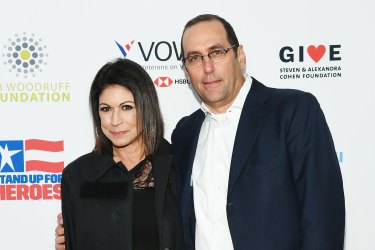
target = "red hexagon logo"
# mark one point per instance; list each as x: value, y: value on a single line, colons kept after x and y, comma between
x: 163, y: 81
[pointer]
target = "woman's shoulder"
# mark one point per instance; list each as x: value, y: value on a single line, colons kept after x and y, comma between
x: 165, y: 146
x: 83, y: 161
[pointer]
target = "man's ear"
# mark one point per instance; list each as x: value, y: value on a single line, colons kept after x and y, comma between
x: 241, y: 57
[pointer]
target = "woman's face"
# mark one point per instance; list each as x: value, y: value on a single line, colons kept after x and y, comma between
x: 118, y: 116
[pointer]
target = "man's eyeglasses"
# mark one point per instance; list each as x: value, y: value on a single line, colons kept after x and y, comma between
x: 216, y: 55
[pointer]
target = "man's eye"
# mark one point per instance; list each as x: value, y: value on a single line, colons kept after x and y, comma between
x: 194, y: 58
x: 216, y: 52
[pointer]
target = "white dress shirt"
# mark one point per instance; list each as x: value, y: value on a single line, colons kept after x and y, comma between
x: 210, y: 174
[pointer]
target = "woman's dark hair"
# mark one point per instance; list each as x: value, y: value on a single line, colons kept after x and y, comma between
x: 231, y: 35
x: 132, y: 76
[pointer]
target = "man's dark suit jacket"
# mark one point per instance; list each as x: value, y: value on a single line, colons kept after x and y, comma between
x: 97, y: 197
x: 285, y: 189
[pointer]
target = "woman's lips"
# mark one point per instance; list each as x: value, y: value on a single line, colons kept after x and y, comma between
x: 118, y: 133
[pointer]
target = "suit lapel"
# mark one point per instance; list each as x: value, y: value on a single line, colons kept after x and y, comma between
x: 186, y: 162
x: 252, y: 118
x: 183, y: 173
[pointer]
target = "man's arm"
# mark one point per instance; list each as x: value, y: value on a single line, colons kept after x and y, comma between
x: 59, y: 233
x: 317, y: 177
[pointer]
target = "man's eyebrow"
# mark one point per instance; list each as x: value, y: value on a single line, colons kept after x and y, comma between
x: 212, y: 47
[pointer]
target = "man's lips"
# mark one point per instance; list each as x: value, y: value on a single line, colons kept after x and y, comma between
x: 211, y: 82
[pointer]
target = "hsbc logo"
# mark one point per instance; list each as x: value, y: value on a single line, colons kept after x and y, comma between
x: 166, y: 81
x: 163, y: 81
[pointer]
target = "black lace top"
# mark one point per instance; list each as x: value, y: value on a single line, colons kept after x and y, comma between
x: 145, y: 234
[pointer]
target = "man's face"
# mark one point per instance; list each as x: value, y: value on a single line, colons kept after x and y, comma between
x: 218, y: 83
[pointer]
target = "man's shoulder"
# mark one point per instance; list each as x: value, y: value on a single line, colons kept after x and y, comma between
x: 288, y: 92
x: 282, y: 95
x: 190, y: 119
x: 186, y: 126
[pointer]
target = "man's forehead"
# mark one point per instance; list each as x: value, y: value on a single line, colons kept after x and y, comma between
x: 204, y: 28
x: 203, y: 36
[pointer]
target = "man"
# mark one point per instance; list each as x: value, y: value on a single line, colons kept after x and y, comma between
x: 256, y: 167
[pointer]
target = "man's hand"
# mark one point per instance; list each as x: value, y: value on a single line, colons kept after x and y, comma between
x: 59, y: 236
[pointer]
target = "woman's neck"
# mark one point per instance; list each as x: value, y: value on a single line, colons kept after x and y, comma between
x: 130, y: 155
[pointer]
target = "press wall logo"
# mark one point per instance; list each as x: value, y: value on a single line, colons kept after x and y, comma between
x: 340, y: 156
x: 25, y: 56
x: 165, y: 81
x: 27, y: 173
x: 312, y: 61
x: 125, y: 49
x: 166, y: 54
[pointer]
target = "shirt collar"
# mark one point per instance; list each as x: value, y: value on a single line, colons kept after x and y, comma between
x: 240, y: 98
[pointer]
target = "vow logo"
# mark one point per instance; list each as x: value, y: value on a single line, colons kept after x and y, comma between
x: 161, y: 51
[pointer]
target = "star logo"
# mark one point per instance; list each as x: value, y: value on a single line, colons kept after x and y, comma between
x: 6, y: 157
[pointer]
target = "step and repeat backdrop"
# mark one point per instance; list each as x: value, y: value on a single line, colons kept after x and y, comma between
x: 50, y: 52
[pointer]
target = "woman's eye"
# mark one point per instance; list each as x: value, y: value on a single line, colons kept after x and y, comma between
x: 127, y: 107
x: 104, y: 109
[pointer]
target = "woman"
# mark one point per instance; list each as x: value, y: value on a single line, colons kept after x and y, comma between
x: 120, y: 195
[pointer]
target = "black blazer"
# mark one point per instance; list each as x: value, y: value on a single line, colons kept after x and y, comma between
x: 97, y: 199
x: 285, y: 189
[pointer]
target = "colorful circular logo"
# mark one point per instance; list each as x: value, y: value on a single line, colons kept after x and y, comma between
x: 25, y: 55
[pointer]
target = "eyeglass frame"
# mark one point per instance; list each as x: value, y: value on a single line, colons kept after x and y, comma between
x: 226, y: 50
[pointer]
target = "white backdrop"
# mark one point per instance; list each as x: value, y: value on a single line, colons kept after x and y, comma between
x: 51, y: 50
